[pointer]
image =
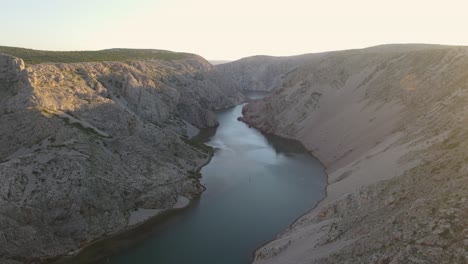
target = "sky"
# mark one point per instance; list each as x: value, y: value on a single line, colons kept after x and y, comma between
x: 229, y: 30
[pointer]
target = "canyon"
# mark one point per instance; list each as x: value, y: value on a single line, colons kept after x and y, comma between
x: 88, y: 147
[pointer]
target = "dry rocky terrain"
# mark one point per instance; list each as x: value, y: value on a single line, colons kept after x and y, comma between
x: 87, y: 149
x: 390, y: 125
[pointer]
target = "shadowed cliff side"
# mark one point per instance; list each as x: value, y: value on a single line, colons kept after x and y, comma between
x: 388, y: 122
x: 85, y: 146
x: 259, y: 73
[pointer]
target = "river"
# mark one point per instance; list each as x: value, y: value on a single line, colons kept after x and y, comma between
x: 256, y: 185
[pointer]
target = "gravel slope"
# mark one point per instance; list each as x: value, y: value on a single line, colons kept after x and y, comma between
x: 389, y: 123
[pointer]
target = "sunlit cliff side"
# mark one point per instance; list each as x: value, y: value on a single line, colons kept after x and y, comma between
x: 83, y: 146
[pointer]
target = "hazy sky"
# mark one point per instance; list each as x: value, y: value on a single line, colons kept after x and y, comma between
x: 219, y: 29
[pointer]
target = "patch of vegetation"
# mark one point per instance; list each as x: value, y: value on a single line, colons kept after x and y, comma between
x: 197, y: 144
x: 41, y: 56
x: 194, y: 174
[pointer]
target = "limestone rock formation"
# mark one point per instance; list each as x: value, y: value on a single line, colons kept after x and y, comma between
x: 83, y: 145
x: 389, y: 124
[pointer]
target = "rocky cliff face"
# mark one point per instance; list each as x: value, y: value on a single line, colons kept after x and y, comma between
x: 389, y: 124
x: 83, y: 146
x: 259, y: 73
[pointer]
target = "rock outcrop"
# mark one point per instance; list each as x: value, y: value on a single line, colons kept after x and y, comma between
x: 85, y: 145
x: 389, y: 124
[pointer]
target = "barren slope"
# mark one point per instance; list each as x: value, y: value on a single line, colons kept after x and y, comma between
x: 389, y: 123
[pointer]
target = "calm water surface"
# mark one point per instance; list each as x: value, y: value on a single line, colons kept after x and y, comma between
x: 256, y: 186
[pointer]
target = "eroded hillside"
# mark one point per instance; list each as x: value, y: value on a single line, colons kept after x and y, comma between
x: 85, y: 146
x: 389, y: 123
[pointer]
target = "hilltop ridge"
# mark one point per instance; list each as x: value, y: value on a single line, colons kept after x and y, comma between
x: 31, y: 56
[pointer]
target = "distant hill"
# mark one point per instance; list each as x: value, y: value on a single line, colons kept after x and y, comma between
x: 31, y: 56
x: 216, y: 62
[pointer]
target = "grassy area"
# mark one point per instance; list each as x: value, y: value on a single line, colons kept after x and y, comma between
x: 41, y: 56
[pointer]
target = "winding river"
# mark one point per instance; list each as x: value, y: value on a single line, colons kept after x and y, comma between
x: 256, y: 185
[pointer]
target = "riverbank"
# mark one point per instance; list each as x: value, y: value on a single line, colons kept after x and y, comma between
x: 308, y: 211
x: 313, y: 236
x: 99, y: 249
